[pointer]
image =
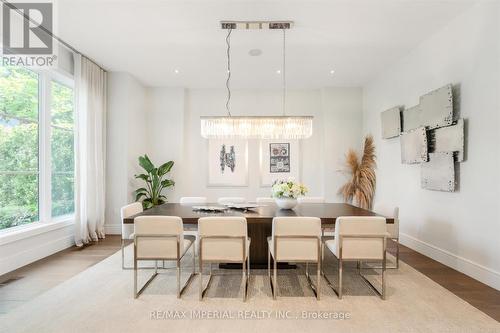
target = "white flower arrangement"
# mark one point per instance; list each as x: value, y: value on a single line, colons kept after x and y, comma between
x: 288, y: 189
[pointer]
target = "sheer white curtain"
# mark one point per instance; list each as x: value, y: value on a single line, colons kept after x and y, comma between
x: 90, y: 147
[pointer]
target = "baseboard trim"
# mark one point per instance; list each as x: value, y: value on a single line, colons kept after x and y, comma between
x: 36, y: 253
x: 113, y: 229
x: 477, y: 271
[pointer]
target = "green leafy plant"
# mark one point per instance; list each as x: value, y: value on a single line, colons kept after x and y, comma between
x: 155, y: 182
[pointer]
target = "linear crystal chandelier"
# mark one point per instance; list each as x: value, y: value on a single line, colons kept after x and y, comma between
x: 256, y: 127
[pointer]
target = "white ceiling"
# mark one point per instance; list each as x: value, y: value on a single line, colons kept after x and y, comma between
x: 151, y: 38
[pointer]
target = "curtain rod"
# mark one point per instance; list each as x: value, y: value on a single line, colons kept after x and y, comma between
x: 60, y: 40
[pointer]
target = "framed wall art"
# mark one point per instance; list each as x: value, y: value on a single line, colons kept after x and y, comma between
x: 227, y: 162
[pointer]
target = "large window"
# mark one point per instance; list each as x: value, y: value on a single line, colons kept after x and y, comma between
x: 36, y: 146
x: 62, y: 149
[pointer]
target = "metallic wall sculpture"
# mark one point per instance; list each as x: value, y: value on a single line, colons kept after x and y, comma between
x: 432, y: 135
x: 448, y: 139
x: 412, y: 118
x: 439, y: 173
x: 414, y: 146
x: 437, y: 108
x: 391, y: 123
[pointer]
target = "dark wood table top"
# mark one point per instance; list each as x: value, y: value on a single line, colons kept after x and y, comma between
x: 327, y: 212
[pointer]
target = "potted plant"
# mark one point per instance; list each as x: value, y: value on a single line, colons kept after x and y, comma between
x: 155, y: 182
x: 285, y: 193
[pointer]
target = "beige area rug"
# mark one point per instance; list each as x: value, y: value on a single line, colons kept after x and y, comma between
x: 100, y: 300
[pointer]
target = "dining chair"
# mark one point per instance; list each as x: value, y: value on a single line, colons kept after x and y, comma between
x: 260, y: 200
x: 303, y: 200
x: 295, y: 239
x: 128, y: 229
x: 224, y: 240
x: 392, y: 228
x: 161, y: 238
x: 359, y: 238
x: 230, y: 200
x: 328, y: 232
x: 192, y: 230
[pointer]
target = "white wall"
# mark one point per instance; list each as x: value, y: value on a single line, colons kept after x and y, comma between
x: 460, y: 229
x: 126, y: 139
x: 165, y: 124
x: 174, y: 133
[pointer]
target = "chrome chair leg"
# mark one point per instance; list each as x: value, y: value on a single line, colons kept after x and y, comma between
x: 123, y: 256
x: 180, y: 290
x: 244, y: 279
x: 340, y: 279
x: 203, y: 291
x: 396, y: 265
x: 314, y: 288
x: 397, y: 253
x: 381, y: 293
x: 318, y: 281
x: 135, y: 278
x: 275, y: 273
x: 138, y: 292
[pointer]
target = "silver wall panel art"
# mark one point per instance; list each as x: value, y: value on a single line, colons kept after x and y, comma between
x: 439, y: 173
x: 414, y: 146
x: 448, y: 139
x: 411, y: 118
x: 391, y: 123
x: 437, y: 108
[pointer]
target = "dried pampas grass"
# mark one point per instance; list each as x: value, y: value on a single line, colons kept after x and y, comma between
x: 361, y: 187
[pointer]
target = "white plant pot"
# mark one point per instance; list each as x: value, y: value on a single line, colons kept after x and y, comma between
x: 286, y: 203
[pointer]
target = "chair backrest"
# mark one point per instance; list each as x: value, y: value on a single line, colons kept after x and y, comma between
x: 222, y: 249
x: 296, y: 249
x: 230, y: 200
x: 160, y: 247
x: 388, y: 210
x: 126, y: 211
x: 361, y: 237
x: 264, y: 200
x: 311, y: 200
x: 192, y: 200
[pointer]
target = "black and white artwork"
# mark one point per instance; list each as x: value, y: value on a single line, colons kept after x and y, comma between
x: 227, y: 162
x: 227, y: 159
x: 279, y: 161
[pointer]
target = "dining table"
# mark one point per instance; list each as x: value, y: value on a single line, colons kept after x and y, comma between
x: 259, y: 219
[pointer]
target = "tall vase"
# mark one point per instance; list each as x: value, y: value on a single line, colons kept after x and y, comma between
x: 286, y: 203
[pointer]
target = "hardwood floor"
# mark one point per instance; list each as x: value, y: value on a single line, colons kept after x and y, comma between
x: 27, y: 282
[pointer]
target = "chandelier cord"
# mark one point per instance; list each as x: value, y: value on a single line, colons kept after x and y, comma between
x: 228, y: 43
x: 284, y: 72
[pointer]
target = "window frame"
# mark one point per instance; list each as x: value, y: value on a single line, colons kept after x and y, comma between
x: 45, y: 79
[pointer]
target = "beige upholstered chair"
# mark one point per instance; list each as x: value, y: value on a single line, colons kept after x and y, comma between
x: 128, y: 229
x: 392, y: 228
x: 161, y: 238
x: 224, y: 240
x: 295, y: 239
x: 359, y: 238
x: 304, y: 200
x: 261, y: 200
x: 230, y: 200
x: 328, y: 231
x: 193, y: 200
x: 192, y: 230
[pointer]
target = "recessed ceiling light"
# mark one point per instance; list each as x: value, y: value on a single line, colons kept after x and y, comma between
x: 332, y: 72
x: 176, y: 71
x: 255, y: 52
x: 278, y: 71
